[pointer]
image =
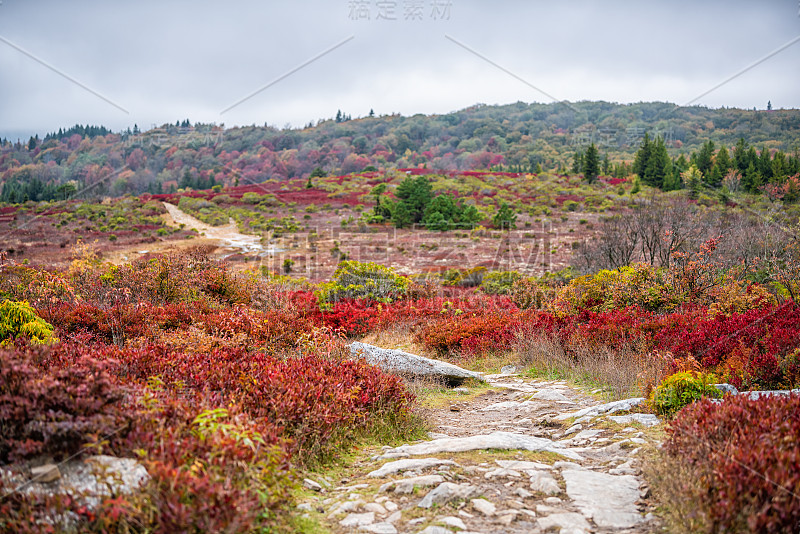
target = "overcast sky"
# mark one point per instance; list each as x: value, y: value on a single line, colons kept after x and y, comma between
x: 151, y: 62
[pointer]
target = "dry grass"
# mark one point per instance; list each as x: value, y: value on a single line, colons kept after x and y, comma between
x: 677, y: 488
x: 399, y: 337
x: 622, y: 372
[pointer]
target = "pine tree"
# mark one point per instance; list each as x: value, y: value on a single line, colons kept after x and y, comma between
x: 705, y: 158
x: 658, y: 164
x: 591, y: 164
x: 642, y: 157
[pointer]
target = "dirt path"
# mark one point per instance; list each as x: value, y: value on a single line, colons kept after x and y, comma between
x: 227, y: 236
x: 526, y: 456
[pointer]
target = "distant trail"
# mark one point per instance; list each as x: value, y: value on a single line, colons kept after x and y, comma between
x: 227, y: 236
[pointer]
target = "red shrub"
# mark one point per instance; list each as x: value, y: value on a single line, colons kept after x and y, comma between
x: 746, y: 458
x: 55, y: 412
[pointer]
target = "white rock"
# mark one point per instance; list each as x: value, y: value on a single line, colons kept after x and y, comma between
x: 610, y: 407
x: 522, y: 465
x: 310, y: 484
x: 446, y: 492
x: 305, y: 507
x: 407, y: 485
x: 552, y: 501
x: 358, y: 520
x: 502, y: 472
x: 395, y: 517
x: 523, y: 493
x: 646, y: 419
x: 433, y: 529
x: 375, y: 507
x: 609, y: 500
x: 390, y: 506
x: 483, y: 506
x: 585, y: 434
x: 508, y: 370
x: 544, y: 482
x: 404, y: 363
x: 454, y: 522
x: 550, y: 395
x: 565, y: 522
x: 508, y: 405
x: 398, y: 466
x: 495, y: 440
x: 573, y: 429
x: 378, y: 528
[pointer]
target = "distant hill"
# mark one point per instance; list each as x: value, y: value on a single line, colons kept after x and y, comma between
x: 517, y: 137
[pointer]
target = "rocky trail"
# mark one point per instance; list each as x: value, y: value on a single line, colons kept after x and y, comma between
x: 525, y: 456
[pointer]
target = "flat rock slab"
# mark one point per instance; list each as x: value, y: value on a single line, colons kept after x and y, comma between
x: 609, y: 407
x: 565, y: 522
x: 446, y: 492
x: 646, y: 419
x: 399, y: 466
x: 550, y: 395
x: 405, y: 363
x: 495, y: 440
x: 522, y: 465
x: 609, y: 500
x: 407, y: 485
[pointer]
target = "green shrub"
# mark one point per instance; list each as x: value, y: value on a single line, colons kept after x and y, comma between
x: 681, y: 389
x: 20, y: 319
x: 356, y: 280
x: 499, y: 282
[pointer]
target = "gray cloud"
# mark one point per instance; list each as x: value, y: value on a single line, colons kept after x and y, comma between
x: 165, y: 61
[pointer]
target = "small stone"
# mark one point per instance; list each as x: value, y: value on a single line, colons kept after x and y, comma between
x: 416, y: 521
x: 552, y: 501
x: 462, y: 391
x: 433, y: 529
x: 310, y: 484
x: 573, y: 429
x: 407, y: 485
x: 390, y: 506
x: 565, y: 522
x: 446, y: 492
x: 395, y: 517
x: 506, y: 518
x: 508, y: 370
x: 466, y: 514
x: 398, y: 466
x: 305, y: 507
x: 502, y: 472
x: 483, y: 506
x: 455, y: 408
x: 523, y: 493
x: 378, y: 528
x: 543, y: 481
x: 358, y: 520
x: 454, y: 522
x: 550, y: 395
x: 376, y: 508
x: 45, y: 473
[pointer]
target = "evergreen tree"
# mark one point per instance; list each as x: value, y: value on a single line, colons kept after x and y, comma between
x: 591, y: 164
x: 765, y: 164
x: 705, y: 158
x: 606, y: 165
x: 577, y: 162
x: 693, y: 180
x: 642, y: 157
x: 505, y: 218
x: 658, y: 164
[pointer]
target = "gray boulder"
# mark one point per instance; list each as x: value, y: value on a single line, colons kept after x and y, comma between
x: 406, y: 364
